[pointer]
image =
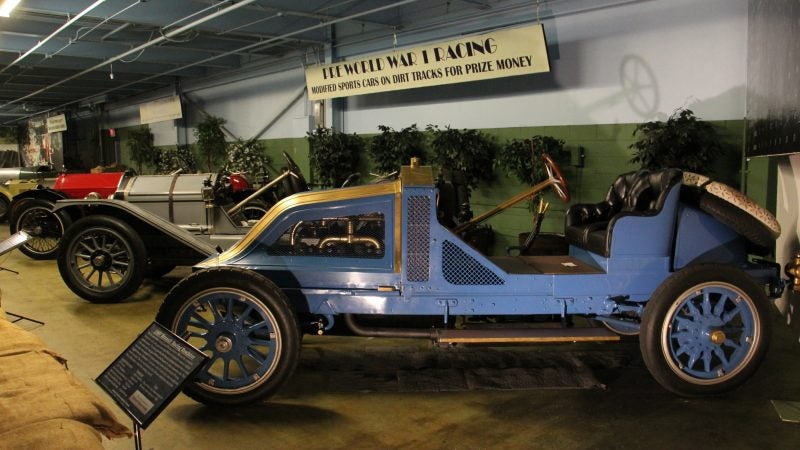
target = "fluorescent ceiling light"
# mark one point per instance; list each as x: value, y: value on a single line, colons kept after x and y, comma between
x: 7, y: 6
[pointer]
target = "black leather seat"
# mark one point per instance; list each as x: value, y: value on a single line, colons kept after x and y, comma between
x: 641, y: 193
x: 453, y: 208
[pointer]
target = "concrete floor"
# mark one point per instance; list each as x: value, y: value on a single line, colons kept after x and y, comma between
x: 380, y: 393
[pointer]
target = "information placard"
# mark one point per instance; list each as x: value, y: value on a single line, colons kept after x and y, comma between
x: 150, y: 373
x: 499, y: 53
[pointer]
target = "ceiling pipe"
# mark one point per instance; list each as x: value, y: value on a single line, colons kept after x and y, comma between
x: 245, y: 48
x: 81, y: 36
x: 114, y: 31
x: 215, y: 5
x: 53, y: 34
x: 132, y: 51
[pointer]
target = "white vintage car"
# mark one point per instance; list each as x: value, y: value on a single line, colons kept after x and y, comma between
x: 108, y: 243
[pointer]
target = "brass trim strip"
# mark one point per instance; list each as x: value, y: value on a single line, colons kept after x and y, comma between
x: 527, y: 335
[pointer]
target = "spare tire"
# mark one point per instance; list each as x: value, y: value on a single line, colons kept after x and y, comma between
x: 736, y: 210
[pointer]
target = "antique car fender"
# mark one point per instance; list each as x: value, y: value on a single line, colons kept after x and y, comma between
x: 48, y: 194
x: 43, y: 193
x: 132, y: 213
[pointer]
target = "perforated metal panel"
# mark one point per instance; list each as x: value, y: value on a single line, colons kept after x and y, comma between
x: 419, y: 236
x: 460, y: 268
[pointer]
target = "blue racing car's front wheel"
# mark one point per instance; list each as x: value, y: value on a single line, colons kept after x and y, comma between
x: 705, y: 330
x: 243, y: 323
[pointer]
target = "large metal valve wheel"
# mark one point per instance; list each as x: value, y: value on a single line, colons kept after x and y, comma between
x: 705, y: 330
x: 103, y: 260
x: 244, y: 324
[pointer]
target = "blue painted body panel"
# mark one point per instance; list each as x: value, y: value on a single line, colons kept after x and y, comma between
x: 701, y: 238
x: 437, y: 273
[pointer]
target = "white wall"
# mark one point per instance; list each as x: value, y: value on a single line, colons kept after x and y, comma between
x: 247, y: 105
x: 621, y: 64
x: 672, y: 53
x: 250, y: 105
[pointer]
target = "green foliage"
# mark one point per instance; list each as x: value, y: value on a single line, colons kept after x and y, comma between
x: 211, y: 140
x: 683, y: 141
x: 392, y: 149
x: 523, y: 158
x: 140, y: 145
x: 248, y: 156
x: 333, y: 155
x: 172, y: 159
x: 469, y: 151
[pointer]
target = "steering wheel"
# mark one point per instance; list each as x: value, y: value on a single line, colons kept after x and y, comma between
x: 298, y: 183
x: 554, y: 173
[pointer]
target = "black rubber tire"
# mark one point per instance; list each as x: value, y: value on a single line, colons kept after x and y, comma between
x: 46, y: 228
x: 657, y: 330
x: 244, y: 290
x: 5, y: 207
x: 756, y: 233
x: 112, y: 248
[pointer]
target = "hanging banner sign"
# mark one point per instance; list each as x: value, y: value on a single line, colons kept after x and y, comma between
x: 503, y: 53
x: 56, y: 123
x: 160, y: 110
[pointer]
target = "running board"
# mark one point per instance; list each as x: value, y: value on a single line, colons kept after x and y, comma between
x: 490, y: 336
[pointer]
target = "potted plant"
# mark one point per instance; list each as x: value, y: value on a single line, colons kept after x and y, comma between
x: 211, y: 140
x: 177, y: 158
x: 140, y: 145
x: 468, y: 152
x: 683, y: 141
x: 465, y: 158
x: 248, y: 156
x: 333, y: 155
x: 392, y: 149
x: 523, y: 158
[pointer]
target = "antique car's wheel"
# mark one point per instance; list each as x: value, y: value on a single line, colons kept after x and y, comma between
x: 244, y: 324
x: 4, y: 207
x: 254, y: 210
x: 705, y: 330
x: 102, y: 259
x: 36, y: 217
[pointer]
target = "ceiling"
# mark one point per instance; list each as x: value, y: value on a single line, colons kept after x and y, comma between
x: 60, y: 53
x: 64, y: 54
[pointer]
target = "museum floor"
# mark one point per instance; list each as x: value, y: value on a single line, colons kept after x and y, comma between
x: 379, y: 393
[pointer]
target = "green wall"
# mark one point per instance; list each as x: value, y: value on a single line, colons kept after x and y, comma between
x: 607, y: 155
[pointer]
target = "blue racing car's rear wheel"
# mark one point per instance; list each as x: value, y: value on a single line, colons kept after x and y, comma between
x: 705, y: 330
x: 244, y: 324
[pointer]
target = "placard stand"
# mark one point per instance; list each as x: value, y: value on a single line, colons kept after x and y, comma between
x: 12, y: 242
x: 137, y: 436
x: 148, y: 374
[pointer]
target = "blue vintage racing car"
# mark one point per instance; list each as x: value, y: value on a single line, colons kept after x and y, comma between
x: 666, y: 255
